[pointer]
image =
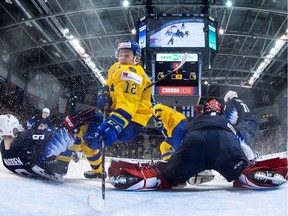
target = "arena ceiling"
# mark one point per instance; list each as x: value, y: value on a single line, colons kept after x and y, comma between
x: 32, y: 41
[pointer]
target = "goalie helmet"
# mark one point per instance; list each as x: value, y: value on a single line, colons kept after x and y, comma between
x: 130, y: 44
x: 212, y: 105
x: 7, y: 125
x: 229, y: 95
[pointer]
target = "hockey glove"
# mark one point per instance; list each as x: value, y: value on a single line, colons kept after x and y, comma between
x: 90, y: 139
x: 60, y: 141
x: 103, y: 98
x: 158, y: 123
x: 111, y: 128
x: 87, y: 116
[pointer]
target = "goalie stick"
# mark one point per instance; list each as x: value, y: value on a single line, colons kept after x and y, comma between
x: 183, y: 60
x: 96, y: 201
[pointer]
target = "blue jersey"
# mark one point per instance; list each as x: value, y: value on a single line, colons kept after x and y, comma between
x: 26, y: 150
x: 234, y: 110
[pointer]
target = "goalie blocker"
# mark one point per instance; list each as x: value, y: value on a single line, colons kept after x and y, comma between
x: 123, y: 175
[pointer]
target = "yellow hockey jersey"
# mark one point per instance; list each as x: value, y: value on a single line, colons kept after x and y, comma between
x: 169, y: 117
x: 126, y: 85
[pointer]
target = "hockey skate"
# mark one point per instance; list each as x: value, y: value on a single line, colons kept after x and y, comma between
x: 43, y: 173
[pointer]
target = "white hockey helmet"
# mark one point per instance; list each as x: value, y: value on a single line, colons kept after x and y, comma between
x: 46, y: 110
x: 229, y: 95
x: 7, y: 125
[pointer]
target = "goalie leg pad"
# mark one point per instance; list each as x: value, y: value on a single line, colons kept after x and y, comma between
x: 143, y: 176
x: 263, y: 175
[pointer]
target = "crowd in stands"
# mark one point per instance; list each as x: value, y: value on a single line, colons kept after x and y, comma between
x: 273, y: 137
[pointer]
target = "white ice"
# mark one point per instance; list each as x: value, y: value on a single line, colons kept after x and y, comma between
x: 21, y: 196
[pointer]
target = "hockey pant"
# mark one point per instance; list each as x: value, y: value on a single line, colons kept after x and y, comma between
x: 93, y: 156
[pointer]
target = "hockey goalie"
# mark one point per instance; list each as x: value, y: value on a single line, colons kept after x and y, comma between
x: 124, y: 175
x: 210, y: 143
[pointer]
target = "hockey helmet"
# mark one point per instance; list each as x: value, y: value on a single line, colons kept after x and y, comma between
x: 7, y: 125
x: 46, y: 110
x: 229, y: 95
x: 130, y: 44
x: 212, y: 105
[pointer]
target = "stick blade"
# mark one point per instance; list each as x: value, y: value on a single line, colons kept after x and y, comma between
x: 96, y: 201
x: 184, y: 59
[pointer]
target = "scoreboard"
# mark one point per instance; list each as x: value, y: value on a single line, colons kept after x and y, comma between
x: 183, y: 83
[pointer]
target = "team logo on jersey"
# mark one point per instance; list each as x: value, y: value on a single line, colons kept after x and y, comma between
x: 129, y: 76
x: 132, y: 69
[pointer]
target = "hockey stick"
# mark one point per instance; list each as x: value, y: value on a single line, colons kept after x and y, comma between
x: 96, y: 201
x: 183, y: 60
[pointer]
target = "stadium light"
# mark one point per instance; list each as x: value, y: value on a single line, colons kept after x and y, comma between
x: 271, y: 54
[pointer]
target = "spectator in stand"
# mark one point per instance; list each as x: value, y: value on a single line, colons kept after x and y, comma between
x: 42, y: 121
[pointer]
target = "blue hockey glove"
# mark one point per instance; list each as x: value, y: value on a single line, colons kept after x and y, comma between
x: 60, y: 141
x: 110, y: 129
x: 158, y: 123
x: 103, y: 97
x: 89, y: 137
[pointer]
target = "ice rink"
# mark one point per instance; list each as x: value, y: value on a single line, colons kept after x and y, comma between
x: 31, y: 197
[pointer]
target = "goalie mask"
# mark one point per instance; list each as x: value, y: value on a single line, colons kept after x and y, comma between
x: 9, y: 125
x: 212, y: 105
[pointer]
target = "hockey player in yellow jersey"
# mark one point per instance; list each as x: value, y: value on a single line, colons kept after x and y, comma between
x: 174, y: 123
x: 131, y: 106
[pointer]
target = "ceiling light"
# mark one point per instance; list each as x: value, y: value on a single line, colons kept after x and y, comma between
x: 66, y: 30
x: 125, y: 3
x: 133, y: 31
x: 228, y: 3
x: 221, y: 31
x: 272, y: 53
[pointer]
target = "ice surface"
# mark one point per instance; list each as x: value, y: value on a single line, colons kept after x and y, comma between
x: 31, y: 197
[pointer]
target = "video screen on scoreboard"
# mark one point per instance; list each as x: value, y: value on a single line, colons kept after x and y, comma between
x: 142, y: 33
x: 176, y: 32
x: 212, y: 35
x: 187, y: 75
